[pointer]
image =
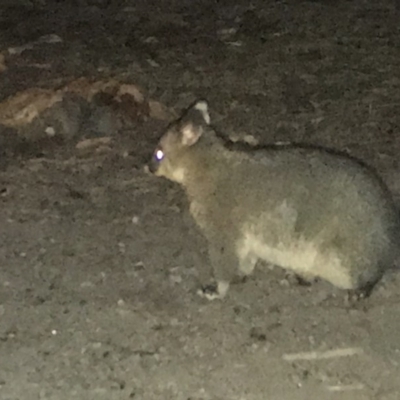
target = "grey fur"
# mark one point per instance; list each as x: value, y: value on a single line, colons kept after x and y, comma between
x: 309, y: 210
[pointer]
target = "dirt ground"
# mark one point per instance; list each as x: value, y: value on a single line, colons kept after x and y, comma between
x: 100, y: 262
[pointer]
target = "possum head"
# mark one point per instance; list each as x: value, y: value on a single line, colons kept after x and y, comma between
x: 175, y: 145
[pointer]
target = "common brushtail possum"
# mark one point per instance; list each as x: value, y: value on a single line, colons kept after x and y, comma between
x: 311, y: 210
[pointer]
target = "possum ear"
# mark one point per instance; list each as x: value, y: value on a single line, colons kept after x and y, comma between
x: 200, y: 108
x: 193, y: 123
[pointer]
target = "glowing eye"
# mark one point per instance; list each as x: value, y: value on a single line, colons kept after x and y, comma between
x: 159, y: 155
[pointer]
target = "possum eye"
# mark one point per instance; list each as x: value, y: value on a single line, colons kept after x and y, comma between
x: 159, y: 155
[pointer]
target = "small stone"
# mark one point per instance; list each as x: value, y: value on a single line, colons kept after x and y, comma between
x: 87, y: 284
x: 284, y: 283
x: 175, y: 278
x: 50, y: 131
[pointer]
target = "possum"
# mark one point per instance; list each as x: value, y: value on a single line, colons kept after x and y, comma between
x: 314, y: 211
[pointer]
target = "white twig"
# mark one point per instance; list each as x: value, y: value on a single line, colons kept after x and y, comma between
x: 320, y: 355
x: 344, y: 388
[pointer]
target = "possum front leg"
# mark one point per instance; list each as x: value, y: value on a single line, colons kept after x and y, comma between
x: 224, y: 262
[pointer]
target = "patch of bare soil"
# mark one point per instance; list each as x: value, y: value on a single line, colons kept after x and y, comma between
x: 100, y: 262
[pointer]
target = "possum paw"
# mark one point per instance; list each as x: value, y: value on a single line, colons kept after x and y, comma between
x: 355, y: 295
x: 216, y: 291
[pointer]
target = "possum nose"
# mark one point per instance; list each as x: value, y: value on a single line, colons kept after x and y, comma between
x: 153, y: 166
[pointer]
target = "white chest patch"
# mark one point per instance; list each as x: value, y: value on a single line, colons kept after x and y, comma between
x: 301, y: 256
x: 178, y: 175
